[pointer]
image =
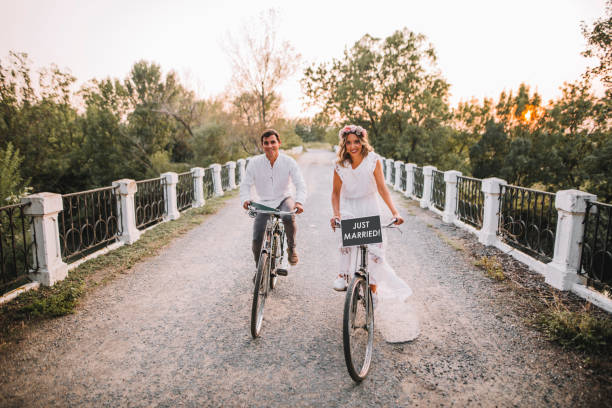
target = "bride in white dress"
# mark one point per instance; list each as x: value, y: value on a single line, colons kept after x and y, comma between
x: 358, y: 182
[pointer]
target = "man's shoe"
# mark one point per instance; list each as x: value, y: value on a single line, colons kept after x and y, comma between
x: 340, y: 284
x: 292, y: 256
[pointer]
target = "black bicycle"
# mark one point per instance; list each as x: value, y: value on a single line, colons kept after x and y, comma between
x: 358, y: 318
x: 269, y: 265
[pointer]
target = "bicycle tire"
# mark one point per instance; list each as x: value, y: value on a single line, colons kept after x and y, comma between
x: 358, y: 345
x: 260, y: 292
x: 275, y: 249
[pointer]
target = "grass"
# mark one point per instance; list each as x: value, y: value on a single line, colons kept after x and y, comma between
x: 492, y: 266
x: 63, y: 297
x: 579, y: 329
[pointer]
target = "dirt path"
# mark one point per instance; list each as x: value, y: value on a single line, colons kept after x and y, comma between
x: 175, y: 330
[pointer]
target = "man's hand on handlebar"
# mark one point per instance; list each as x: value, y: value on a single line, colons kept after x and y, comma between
x: 298, y: 208
x: 246, y: 204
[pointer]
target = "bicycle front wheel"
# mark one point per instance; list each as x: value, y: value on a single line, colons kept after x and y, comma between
x: 358, y: 329
x: 260, y: 292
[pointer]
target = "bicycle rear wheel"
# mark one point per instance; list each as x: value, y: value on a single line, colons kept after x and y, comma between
x: 358, y: 329
x: 260, y: 292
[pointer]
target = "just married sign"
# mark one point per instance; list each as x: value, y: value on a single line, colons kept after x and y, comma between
x: 361, y: 231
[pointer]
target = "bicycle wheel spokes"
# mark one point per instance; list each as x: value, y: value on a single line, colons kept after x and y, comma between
x: 260, y: 292
x: 358, y: 329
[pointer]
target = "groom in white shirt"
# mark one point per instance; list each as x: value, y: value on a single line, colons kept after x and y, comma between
x: 270, y: 173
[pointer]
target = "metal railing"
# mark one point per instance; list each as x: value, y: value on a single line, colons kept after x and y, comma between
x: 185, y: 191
x: 384, y: 166
x: 88, y: 222
x: 528, y: 221
x: 596, y: 255
x: 392, y: 181
x: 403, y: 178
x: 238, y: 175
x: 419, y: 179
x: 150, y: 202
x: 470, y: 201
x: 208, y: 183
x: 225, y: 184
x: 17, y: 246
x: 438, y: 190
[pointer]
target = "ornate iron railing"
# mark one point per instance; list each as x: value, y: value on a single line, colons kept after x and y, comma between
x: 17, y: 246
x: 596, y: 256
x: 209, y: 186
x: 438, y: 190
x: 392, y: 181
x: 403, y: 178
x: 185, y: 191
x: 238, y: 175
x: 150, y: 202
x: 384, y: 163
x: 470, y: 201
x: 419, y: 179
x: 225, y: 184
x: 528, y: 221
x: 88, y: 222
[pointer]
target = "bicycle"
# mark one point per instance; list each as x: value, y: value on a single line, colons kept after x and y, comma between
x: 269, y: 265
x: 358, y: 318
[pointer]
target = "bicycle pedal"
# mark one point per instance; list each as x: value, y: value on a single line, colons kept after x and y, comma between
x: 282, y: 272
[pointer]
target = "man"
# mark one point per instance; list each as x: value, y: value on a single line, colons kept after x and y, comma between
x: 270, y: 173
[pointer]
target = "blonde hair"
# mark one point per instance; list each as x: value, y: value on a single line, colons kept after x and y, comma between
x: 362, y: 135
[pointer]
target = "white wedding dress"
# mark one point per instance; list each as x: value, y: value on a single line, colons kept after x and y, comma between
x: 394, y: 316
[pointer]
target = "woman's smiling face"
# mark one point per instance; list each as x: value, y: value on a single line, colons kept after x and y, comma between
x: 353, y: 145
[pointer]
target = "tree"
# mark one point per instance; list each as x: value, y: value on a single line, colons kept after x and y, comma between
x: 599, y: 45
x: 391, y: 87
x: 260, y: 63
x: 12, y: 185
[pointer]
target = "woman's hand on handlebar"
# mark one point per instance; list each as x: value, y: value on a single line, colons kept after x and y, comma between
x: 398, y: 219
x: 246, y: 204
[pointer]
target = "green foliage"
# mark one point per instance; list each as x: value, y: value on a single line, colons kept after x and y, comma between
x: 599, y: 45
x: 12, y: 185
x: 580, y: 330
x: 393, y: 89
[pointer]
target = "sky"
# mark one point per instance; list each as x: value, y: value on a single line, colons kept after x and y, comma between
x: 484, y: 46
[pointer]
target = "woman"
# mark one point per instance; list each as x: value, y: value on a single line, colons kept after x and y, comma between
x: 358, y: 180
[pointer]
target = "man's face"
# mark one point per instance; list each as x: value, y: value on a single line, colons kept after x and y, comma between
x: 271, y: 146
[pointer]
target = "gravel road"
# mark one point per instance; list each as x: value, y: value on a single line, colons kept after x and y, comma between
x: 174, y: 331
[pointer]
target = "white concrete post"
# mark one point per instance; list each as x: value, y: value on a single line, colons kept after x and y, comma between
x: 571, y: 207
x: 172, y: 212
x: 427, y: 183
x: 241, y: 163
x: 127, y: 188
x: 232, y: 174
x: 491, y: 187
x: 217, y: 179
x: 450, y: 203
x: 44, y: 209
x: 399, y: 166
x: 388, y: 175
x: 410, y: 179
x: 197, y: 173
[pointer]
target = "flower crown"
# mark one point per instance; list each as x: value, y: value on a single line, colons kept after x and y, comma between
x: 347, y: 130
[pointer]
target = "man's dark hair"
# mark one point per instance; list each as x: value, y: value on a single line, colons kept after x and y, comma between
x: 268, y: 133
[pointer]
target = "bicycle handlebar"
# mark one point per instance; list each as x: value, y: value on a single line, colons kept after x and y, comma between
x: 253, y: 210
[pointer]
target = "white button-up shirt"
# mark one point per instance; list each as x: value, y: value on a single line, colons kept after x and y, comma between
x: 272, y: 182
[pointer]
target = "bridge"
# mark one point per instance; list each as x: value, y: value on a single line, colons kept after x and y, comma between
x: 175, y: 329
